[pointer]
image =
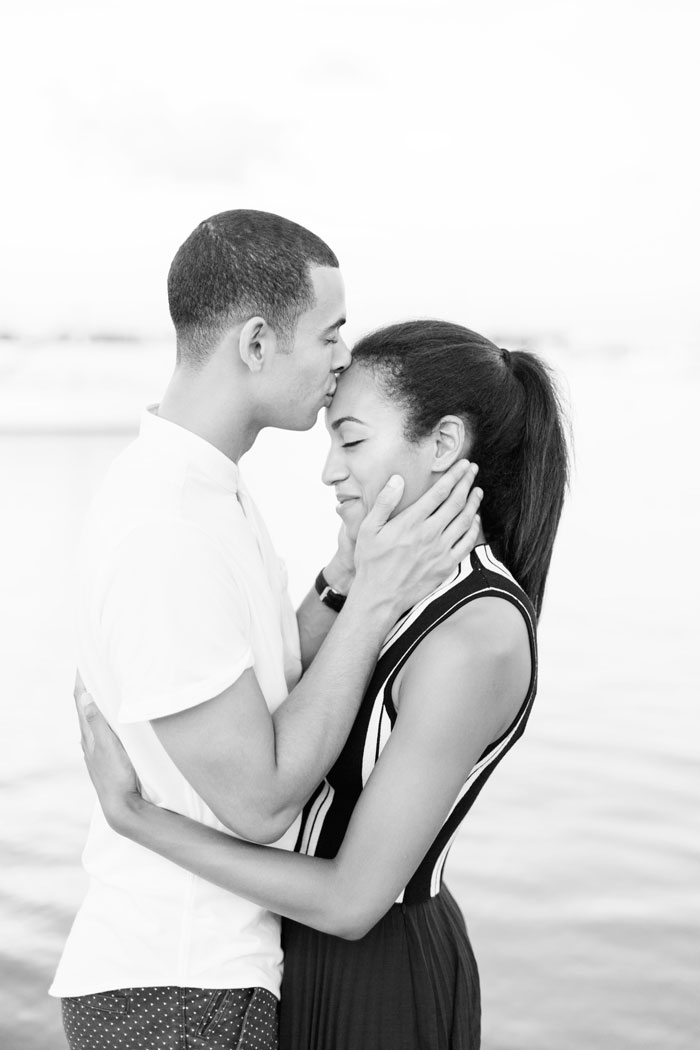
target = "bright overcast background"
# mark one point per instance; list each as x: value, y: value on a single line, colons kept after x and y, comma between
x: 519, y: 167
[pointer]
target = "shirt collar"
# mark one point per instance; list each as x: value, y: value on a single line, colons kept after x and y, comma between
x: 186, y: 445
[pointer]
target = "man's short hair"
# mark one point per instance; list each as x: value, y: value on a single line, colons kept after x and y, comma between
x: 236, y: 265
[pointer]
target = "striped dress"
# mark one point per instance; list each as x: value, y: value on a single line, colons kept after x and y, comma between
x: 411, y: 983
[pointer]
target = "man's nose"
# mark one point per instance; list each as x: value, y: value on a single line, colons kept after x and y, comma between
x: 341, y: 357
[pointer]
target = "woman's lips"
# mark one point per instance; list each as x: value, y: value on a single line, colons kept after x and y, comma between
x: 343, y: 501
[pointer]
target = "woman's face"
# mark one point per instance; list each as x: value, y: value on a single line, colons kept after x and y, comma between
x: 368, y: 446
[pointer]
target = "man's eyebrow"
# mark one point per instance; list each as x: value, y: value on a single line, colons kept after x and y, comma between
x: 346, y: 419
x: 337, y: 324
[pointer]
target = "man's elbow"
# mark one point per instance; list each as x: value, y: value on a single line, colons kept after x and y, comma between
x: 259, y: 823
x: 270, y: 828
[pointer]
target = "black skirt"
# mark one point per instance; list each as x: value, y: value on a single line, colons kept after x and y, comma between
x: 410, y: 984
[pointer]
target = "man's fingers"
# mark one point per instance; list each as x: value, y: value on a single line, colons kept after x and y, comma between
x: 456, y: 502
x: 386, y: 502
x: 463, y: 522
x: 451, y: 488
x: 465, y: 545
x: 446, y: 498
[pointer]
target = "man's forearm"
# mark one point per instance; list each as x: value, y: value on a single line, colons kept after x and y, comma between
x: 255, y: 770
x: 313, y: 723
x: 314, y: 618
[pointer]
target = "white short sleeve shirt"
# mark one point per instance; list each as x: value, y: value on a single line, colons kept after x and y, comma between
x: 180, y: 591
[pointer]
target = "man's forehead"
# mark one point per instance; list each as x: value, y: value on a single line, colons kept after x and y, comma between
x: 329, y: 291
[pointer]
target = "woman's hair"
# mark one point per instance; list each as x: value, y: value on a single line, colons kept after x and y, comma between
x: 513, y: 417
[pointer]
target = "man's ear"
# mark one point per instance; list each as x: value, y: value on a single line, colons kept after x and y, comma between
x: 450, y: 440
x: 257, y: 342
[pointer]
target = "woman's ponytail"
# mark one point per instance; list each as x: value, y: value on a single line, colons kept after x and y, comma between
x: 541, y: 476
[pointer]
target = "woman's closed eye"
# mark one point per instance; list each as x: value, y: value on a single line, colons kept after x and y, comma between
x: 351, y: 444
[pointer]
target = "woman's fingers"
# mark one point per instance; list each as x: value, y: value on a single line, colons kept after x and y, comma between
x: 87, y: 737
x: 95, y: 730
x: 108, y: 765
x: 79, y: 687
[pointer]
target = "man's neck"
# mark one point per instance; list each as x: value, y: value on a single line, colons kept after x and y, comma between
x: 194, y: 401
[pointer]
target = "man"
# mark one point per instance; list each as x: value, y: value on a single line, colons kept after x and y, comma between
x: 189, y: 642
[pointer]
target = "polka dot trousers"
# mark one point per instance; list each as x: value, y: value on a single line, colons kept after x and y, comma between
x: 172, y: 1019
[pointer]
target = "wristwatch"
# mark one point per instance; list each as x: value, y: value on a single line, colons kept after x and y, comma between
x: 328, y: 596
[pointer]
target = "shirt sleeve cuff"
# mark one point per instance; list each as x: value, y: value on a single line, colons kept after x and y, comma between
x: 142, y: 707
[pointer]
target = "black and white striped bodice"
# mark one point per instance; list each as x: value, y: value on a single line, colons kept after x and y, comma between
x: 328, y: 812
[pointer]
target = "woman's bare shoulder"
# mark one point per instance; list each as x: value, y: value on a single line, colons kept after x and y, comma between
x: 497, y: 624
x: 481, y: 649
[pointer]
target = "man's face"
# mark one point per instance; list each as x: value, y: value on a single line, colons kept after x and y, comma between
x: 305, y: 376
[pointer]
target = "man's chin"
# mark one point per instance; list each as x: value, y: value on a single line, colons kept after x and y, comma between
x: 300, y: 424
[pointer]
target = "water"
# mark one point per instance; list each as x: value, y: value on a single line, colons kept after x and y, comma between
x: 578, y: 869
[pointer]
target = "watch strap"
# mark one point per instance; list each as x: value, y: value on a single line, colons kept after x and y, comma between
x: 328, y: 596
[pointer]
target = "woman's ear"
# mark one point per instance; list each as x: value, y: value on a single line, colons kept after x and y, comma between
x: 450, y: 441
x: 256, y: 343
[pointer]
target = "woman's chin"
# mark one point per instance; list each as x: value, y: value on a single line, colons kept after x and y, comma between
x: 352, y: 519
x: 352, y: 527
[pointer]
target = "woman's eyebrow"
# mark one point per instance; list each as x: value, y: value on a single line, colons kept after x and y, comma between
x: 346, y: 419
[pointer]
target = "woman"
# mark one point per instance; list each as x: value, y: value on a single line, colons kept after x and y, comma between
x: 376, y: 950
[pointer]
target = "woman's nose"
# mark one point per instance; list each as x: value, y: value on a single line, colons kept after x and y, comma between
x: 333, y: 469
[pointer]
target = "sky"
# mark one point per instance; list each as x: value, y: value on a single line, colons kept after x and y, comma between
x: 518, y: 167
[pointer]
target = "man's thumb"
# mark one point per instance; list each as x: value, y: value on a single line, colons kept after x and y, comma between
x: 387, y: 501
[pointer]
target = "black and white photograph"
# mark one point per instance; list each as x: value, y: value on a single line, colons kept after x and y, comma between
x: 349, y: 385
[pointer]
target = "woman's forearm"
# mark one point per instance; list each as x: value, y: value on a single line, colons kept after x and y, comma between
x: 299, y: 887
